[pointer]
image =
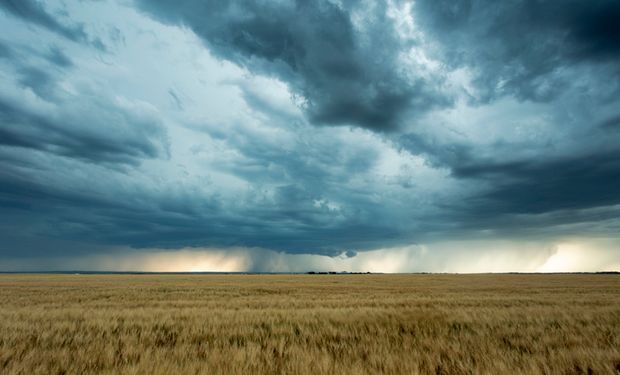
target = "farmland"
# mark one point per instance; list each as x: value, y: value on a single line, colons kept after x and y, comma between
x: 318, y: 324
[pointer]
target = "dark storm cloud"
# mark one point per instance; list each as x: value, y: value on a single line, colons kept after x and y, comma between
x: 84, y: 140
x: 583, y: 179
x: 80, y: 135
x: 33, y: 11
x: 49, y: 143
x: 518, y: 48
x: 17, y: 55
x: 612, y: 123
x: 39, y: 81
x: 537, y: 186
x: 164, y: 216
x: 521, y: 48
x: 5, y: 51
x: 296, y: 218
x: 437, y: 153
x: 595, y: 29
x: 144, y: 217
x: 563, y: 55
x: 88, y: 127
x: 58, y: 57
x: 345, y: 74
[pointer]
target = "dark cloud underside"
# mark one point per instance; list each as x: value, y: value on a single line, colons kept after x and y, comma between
x: 332, y: 64
x: 74, y: 135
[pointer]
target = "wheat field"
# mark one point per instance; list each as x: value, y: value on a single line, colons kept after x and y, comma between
x: 309, y: 324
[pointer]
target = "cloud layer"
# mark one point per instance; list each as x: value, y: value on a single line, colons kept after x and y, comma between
x: 323, y: 128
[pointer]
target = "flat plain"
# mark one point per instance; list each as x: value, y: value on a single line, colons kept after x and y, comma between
x: 314, y: 324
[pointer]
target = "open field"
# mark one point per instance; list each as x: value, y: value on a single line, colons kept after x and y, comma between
x: 445, y: 324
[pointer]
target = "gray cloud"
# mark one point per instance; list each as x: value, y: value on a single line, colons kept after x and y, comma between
x: 541, y: 186
x: 522, y: 48
x: 565, y: 177
x: 88, y: 127
x: 58, y: 57
x: 5, y: 51
x: 39, y: 81
x: 300, y: 200
x: 144, y: 217
x: 560, y: 56
x: 34, y: 12
x: 18, y: 56
x: 530, y: 199
x: 612, y: 123
x: 329, y: 61
x: 71, y: 132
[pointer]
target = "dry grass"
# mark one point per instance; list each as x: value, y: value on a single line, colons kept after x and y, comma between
x: 444, y: 324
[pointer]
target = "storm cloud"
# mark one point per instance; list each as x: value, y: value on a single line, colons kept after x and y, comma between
x: 34, y: 12
x: 377, y: 135
x: 525, y: 48
x: 328, y: 53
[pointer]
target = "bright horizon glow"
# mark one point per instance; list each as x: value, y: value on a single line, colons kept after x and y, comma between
x: 568, y: 258
x: 481, y: 257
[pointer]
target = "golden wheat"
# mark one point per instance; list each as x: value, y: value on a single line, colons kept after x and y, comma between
x: 319, y: 324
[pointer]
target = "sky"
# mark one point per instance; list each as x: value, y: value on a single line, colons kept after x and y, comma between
x: 294, y: 136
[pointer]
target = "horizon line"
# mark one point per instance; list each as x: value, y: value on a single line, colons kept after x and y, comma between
x: 86, y: 272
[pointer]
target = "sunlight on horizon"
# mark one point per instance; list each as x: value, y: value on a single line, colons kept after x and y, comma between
x: 438, y: 258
